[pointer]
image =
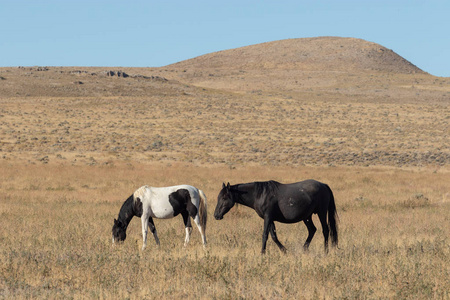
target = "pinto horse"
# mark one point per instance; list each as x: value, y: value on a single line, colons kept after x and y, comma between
x: 162, y: 203
x: 285, y: 203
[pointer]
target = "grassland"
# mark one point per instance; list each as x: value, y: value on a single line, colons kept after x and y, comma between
x: 75, y: 142
x: 56, y: 224
x: 69, y: 163
x: 225, y: 129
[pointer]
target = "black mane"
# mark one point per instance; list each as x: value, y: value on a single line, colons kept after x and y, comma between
x: 127, y: 211
x: 267, y: 188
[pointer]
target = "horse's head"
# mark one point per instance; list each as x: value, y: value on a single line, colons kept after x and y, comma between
x: 225, y: 201
x: 119, y: 231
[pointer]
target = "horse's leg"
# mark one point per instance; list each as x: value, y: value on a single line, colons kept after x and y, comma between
x: 187, y: 226
x: 311, y: 231
x: 325, y: 228
x: 273, y: 233
x: 153, y: 229
x: 267, y: 222
x: 144, y: 220
x: 199, y: 226
x: 194, y: 212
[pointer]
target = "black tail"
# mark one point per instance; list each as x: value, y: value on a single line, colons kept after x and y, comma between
x: 332, y: 219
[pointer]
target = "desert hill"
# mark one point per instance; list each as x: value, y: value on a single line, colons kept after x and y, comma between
x: 331, y: 66
x: 306, y: 54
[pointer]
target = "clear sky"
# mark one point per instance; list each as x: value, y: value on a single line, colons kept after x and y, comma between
x: 157, y: 33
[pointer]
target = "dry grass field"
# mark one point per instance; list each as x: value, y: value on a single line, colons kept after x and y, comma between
x: 76, y: 142
x: 56, y: 224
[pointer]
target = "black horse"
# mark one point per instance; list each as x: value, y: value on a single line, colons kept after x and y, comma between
x: 285, y: 203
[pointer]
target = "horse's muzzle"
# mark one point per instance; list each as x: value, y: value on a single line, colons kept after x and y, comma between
x: 218, y: 217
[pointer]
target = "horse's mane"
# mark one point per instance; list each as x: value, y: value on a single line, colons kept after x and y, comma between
x: 267, y: 188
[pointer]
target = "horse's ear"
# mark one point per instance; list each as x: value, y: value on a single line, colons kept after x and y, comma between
x: 228, y: 185
x: 223, y: 185
x: 115, y: 221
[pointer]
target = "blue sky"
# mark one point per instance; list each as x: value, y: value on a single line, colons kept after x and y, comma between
x: 157, y: 33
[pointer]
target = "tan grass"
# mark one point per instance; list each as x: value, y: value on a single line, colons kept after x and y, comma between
x: 225, y: 129
x: 56, y: 236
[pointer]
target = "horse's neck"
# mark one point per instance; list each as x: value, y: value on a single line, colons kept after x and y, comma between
x: 126, y: 211
x: 247, y: 196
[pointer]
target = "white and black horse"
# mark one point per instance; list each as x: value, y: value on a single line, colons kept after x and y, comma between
x: 285, y: 203
x: 162, y: 203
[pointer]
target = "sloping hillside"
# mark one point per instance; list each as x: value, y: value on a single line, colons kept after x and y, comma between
x: 307, y: 54
x: 346, y: 66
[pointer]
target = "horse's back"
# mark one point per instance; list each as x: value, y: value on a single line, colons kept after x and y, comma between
x: 298, y: 201
x: 310, y: 187
x: 171, y: 189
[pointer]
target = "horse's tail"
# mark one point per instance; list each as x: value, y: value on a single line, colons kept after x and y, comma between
x: 332, y: 219
x: 202, y: 210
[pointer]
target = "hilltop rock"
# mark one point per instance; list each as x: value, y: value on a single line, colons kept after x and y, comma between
x: 114, y: 73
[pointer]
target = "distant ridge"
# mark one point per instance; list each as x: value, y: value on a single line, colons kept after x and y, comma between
x: 307, y: 54
x: 307, y: 68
